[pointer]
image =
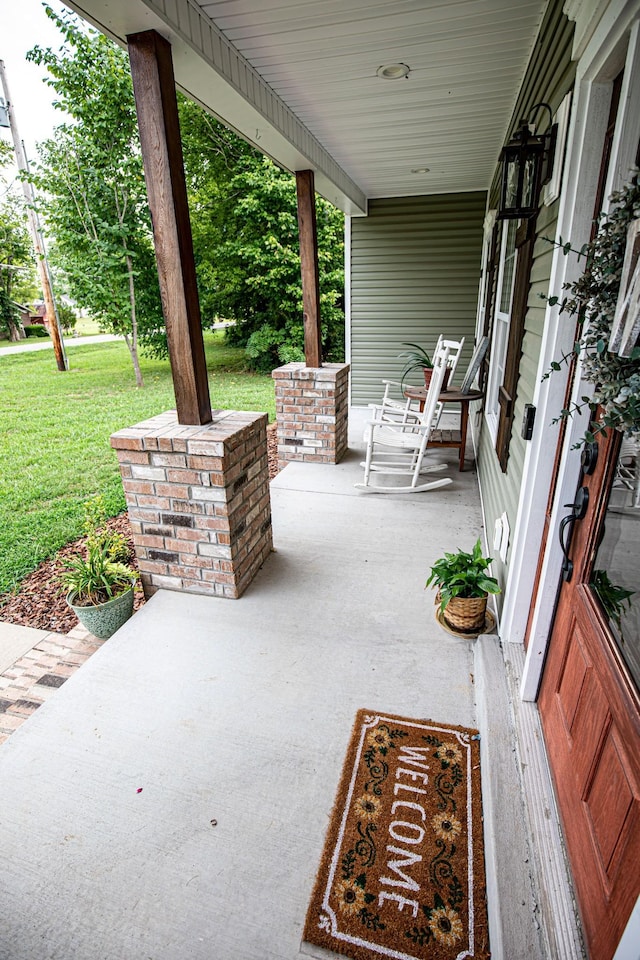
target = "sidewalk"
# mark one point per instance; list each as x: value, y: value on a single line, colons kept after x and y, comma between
x: 30, y: 345
x: 27, y: 346
x: 33, y: 665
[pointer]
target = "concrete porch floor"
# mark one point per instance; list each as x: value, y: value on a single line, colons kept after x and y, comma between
x: 205, y: 711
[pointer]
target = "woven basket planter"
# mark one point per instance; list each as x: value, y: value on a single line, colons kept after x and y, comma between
x: 465, y: 614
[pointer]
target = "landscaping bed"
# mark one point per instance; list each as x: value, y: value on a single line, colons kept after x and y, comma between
x: 40, y: 601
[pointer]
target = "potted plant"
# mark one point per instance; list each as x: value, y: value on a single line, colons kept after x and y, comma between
x: 593, y: 299
x: 100, y: 585
x: 418, y: 359
x: 463, y: 586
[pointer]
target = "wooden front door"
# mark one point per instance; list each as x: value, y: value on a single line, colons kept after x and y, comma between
x: 589, y: 702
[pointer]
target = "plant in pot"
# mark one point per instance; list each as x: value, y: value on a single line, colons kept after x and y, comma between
x: 100, y: 585
x: 463, y: 586
x: 418, y: 359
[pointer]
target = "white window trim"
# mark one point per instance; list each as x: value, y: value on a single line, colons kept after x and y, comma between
x: 492, y: 407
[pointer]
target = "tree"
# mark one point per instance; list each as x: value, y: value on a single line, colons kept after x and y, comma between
x: 245, y: 228
x: 91, y: 172
x: 16, y: 257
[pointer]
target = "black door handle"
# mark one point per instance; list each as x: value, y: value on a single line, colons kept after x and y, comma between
x: 578, y: 512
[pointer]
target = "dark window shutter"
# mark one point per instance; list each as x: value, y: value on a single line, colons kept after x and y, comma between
x: 492, y: 282
x: 525, y: 239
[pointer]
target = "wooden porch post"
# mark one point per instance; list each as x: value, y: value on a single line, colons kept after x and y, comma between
x: 309, y: 267
x: 157, y: 109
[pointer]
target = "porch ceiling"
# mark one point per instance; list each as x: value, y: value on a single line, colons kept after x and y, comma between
x: 298, y: 79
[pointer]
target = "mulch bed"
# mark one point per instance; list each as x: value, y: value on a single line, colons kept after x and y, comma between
x: 40, y: 601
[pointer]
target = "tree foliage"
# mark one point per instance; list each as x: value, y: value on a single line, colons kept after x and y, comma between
x: 245, y: 228
x: 17, y: 267
x: 243, y: 214
x: 91, y: 172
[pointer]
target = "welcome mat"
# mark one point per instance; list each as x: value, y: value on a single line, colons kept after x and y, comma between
x: 402, y: 873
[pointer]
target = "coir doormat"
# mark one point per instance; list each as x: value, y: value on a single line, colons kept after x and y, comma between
x: 402, y: 874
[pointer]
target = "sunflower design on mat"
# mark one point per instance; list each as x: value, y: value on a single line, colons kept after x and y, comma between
x: 445, y: 925
x: 367, y: 806
x: 449, y: 753
x: 350, y: 897
x: 446, y: 827
x: 380, y: 738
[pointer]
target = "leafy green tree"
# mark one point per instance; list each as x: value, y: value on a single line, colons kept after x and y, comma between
x: 17, y: 266
x: 245, y: 228
x: 96, y: 205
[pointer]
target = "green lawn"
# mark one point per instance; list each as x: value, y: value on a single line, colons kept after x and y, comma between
x: 54, y: 436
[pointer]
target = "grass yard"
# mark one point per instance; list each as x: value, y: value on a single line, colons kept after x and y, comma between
x: 55, y: 429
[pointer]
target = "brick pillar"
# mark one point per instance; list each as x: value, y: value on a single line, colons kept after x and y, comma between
x: 312, y: 412
x: 198, y: 501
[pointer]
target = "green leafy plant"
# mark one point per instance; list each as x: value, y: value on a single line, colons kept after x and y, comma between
x: 462, y: 574
x: 105, y: 572
x: 66, y: 316
x: 96, y: 579
x: 35, y: 330
x: 592, y: 300
x: 99, y: 537
x: 613, y: 597
x: 415, y: 359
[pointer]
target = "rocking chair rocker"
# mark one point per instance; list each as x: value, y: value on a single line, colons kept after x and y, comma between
x: 406, y: 443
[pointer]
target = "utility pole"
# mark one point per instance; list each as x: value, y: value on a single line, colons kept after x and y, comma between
x: 36, y: 232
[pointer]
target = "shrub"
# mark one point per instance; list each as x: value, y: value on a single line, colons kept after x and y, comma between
x: 35, y: 330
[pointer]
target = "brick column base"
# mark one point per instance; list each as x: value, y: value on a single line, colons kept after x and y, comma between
x: 312, y: 412
x: 198, y: 500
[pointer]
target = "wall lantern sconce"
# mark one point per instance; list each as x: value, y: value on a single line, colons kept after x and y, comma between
x: 527, y: 164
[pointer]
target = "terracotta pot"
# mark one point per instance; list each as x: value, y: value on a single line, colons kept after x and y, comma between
x: 428, y: 371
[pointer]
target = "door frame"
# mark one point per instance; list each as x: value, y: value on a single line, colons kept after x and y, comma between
x: 615, y: 44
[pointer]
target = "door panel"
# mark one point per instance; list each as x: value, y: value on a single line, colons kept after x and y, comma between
x: 609, y: 802
x: 572, y: 680
x: 590, y: 711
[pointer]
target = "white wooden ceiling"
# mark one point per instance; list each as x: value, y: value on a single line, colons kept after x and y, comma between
x: 318, y: 58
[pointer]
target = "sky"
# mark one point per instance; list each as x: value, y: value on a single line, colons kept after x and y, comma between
x: 23, y: 24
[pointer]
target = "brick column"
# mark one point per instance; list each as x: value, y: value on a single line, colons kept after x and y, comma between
x: 312, y: 412
x: 198, y: 501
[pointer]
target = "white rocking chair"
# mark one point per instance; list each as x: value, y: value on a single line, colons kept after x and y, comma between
x: 406, y: 443
x: 403, y: 410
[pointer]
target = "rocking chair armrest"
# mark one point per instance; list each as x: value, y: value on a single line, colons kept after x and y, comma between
x: 415, y: 427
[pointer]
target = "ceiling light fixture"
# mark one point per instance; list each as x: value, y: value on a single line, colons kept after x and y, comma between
x: 393, y: 71
x: 420, y: 170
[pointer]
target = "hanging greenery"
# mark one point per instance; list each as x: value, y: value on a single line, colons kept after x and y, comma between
x: 592, y: 299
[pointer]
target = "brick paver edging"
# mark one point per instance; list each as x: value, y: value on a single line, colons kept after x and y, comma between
x: 35, y: 677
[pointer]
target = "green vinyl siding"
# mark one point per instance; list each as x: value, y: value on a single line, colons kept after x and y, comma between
x: 549, y: 77
x: 415, y: 267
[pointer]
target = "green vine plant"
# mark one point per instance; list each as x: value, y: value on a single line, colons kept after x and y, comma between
x: 613, y: 597
x: 592, y: 300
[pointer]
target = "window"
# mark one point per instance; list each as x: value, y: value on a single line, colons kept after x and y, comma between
x: 501, y: 321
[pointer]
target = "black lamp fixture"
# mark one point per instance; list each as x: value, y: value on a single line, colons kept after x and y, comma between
x: 527, y: 165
